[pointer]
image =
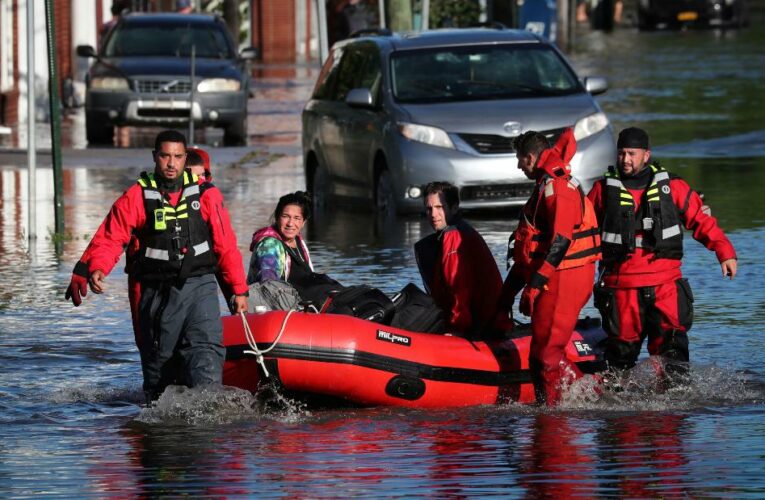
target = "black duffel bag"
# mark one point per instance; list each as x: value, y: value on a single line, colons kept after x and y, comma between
x: 416, y: 311
x: 315, y: 288
x: 362, y: 301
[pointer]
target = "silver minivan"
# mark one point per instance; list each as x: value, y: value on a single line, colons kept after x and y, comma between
x: 390, y: 113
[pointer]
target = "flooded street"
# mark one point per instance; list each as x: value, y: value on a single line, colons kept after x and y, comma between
x: 71, y: 418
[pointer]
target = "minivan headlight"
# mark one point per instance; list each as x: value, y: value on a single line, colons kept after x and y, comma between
x: 219, y: 85
x: 590, y: 125
x: 109, y: 83
x: 425, y: 134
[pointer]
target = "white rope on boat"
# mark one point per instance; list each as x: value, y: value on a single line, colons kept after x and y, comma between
x: 254, y: 345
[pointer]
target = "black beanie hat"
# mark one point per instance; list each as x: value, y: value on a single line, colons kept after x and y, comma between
x: 633, y: 137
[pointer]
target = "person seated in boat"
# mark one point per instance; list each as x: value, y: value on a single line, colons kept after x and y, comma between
x: 280, y: 255
x: 278, y: 250
x: 198, y: 163
x: 458, y: 270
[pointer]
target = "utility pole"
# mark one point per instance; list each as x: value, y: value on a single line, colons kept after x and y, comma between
x: 55, y: 118
x: 31, y: 146
x: 565, y: 33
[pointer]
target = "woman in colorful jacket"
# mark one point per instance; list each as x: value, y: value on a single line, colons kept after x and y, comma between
x: 278, y: 251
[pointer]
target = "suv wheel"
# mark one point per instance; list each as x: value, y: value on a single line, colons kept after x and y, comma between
x: 98, y: 133
x: 236, y: 133
x: 319, y: 186
x: 385, y: 200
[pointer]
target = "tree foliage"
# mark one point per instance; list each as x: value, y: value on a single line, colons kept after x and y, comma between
x: 454, y: 13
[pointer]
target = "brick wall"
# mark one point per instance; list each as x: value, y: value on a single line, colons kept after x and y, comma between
x: 10, y: 99
x: 273, y: 30
x: 63, y: 33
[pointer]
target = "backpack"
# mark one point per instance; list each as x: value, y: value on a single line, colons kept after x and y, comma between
x: 274, y: 294
x: 416, y: 311
x: 361, y: 301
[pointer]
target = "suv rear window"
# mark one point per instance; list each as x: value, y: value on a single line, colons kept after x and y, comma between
x: 167, y: 40
x: 480, y: 72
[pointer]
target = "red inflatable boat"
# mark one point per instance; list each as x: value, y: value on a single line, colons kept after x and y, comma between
x: 370, y: 364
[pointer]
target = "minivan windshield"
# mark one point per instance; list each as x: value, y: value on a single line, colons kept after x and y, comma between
x: 155, y: 39
x: 479, y: 72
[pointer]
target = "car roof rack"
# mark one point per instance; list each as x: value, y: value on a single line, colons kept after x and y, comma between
x: 371, y: 32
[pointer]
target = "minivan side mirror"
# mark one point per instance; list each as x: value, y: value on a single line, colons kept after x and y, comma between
x: 250, y: 53
x: 86, y: 51
x: 595, y: 85
x: 359, y: 98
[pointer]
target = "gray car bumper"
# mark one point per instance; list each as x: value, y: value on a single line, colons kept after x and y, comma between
x: 129, y: 108
x: 485, y: 181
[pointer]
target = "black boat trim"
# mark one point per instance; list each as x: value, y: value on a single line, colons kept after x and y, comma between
x: 386, y: 363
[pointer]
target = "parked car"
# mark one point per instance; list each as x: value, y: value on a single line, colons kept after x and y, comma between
x: 143, y: 76
x: 390, y: 113
x: 654, y: 14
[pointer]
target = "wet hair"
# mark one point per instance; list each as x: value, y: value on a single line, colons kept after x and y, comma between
x: 194, y: 159
x: 450, y: 191
x: 169, y: 136
x: 530, y: 142
x: 299, y: 198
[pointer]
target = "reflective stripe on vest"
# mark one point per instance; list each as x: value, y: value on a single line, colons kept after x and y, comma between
x: 622, y: 220
x: 175, y: 242
x: 201, y: 248
x: 156, y: 253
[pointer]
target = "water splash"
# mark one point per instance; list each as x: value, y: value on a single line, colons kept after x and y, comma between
x: 216, y: 404
x: 97, y: 394
x: 640, y: 389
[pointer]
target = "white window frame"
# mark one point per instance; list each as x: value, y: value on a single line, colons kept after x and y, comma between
x: 6, y: 46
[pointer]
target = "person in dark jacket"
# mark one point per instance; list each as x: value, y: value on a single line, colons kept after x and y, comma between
x: 458, y: 270
x: 183, y: 233
x: 642, y: 210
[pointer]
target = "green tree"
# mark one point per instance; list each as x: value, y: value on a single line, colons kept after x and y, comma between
x: 454, y: 13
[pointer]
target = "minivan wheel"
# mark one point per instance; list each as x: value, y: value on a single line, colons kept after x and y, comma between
x: 385, y: 198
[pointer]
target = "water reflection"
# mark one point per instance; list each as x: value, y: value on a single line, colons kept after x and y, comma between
x: 631, y: 442
x: 558, y: 462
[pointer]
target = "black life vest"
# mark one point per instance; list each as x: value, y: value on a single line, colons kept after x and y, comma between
x: 300, y: 270
x: 175, y: 242
x: 658, y: 221
x: 427, y: 253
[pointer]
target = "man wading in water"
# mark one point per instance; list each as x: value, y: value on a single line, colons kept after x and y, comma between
x: 184, y: 232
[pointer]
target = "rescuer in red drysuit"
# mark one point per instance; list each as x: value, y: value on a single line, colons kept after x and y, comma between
x: 642, y: 210
x: 184, y: 235
x: 197, y: 163
x: 556, y: 247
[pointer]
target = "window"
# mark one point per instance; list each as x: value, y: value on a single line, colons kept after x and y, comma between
x: 162, y: 40
x: 350, y: 69
x: 358, y: 68
x: 328, y: 75
x: 6, y: 45
x: 371, y: 76
x: 481, y: 72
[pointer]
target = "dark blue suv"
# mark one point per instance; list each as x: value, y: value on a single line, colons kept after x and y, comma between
x: 143, y: 76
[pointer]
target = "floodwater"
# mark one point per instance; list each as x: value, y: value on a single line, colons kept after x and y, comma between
x: 70, y: 398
